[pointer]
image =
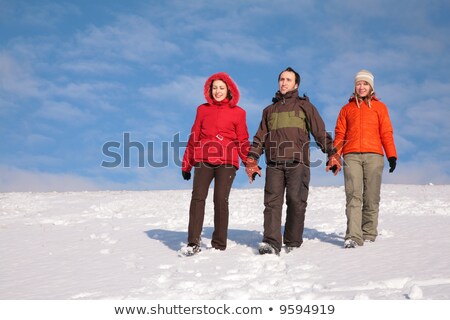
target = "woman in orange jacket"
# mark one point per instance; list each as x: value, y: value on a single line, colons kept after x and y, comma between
x: 363, y: 130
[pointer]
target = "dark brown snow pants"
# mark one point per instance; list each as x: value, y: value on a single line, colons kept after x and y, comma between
x: 294, y: 178
x: 223, y: 179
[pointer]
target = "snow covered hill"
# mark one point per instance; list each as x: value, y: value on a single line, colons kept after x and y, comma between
x: 124, y: 245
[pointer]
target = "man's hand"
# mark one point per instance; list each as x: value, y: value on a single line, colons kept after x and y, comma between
x: 252, y: 169
x: 334, y: 163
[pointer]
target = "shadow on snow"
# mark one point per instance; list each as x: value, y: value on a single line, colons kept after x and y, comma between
x: 174, y: 240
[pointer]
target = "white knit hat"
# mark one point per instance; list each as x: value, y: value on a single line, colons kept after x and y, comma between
x: 364, y: 75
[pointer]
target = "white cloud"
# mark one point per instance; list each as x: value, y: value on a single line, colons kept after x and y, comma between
x: 44, y: 14
x: 92, y: 67
x: 420, y: 108
x: 185, y: 90
x: 16, y: 79
x: 35, y: 139
x: 63, y: 112
x: 96, y: 93
x: 13, y: 179
x: 428, y: 120
x: 131, y: 38
x: 421, y: 170
x: 234, y: 46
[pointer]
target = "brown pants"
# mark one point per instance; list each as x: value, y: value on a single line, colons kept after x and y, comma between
x: 203, y: 175
x: 294, y: 178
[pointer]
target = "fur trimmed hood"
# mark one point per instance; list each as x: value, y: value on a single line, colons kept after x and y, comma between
x: 232, y: 88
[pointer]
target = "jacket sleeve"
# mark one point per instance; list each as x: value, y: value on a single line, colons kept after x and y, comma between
x: 194, y: 137
x: 242, y: 137
x: 257, y: 147
x: 339, y: 132
x: 318, y: 130
x: 387, y: 134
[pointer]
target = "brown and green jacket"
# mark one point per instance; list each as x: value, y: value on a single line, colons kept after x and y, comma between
x: 284, y: 131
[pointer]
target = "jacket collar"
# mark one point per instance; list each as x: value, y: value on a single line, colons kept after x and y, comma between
x: 286, y: 96
x: 353, y: 98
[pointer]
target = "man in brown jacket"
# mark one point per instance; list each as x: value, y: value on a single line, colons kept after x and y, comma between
x: 283, y: 135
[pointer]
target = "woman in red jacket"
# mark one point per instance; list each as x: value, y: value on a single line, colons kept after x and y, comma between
x: 219, y: 137
x: 363, y: 131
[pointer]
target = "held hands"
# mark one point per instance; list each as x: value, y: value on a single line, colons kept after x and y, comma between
x: 334, y: 163
x: 252, y: 169
x: 392, y: 164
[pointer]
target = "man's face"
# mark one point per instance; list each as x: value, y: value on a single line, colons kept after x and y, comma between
x: 287, y: 82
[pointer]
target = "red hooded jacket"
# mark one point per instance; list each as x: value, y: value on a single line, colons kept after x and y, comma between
x: 219, y: 134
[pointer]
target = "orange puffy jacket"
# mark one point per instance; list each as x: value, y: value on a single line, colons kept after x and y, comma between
x: 364, y: 129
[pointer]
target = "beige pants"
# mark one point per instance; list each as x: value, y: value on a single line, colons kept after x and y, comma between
x: 362, y: 175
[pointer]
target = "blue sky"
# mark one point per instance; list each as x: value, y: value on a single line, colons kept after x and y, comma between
x: 77, y: 75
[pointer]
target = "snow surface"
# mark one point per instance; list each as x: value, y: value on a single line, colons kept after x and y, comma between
x: 125, y: 245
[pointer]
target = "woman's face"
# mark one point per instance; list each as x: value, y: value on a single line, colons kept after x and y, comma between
x: 219, y: 90
x: 362, y: 88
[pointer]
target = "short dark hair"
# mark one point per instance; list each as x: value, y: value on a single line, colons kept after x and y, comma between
x: 297, y: 76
